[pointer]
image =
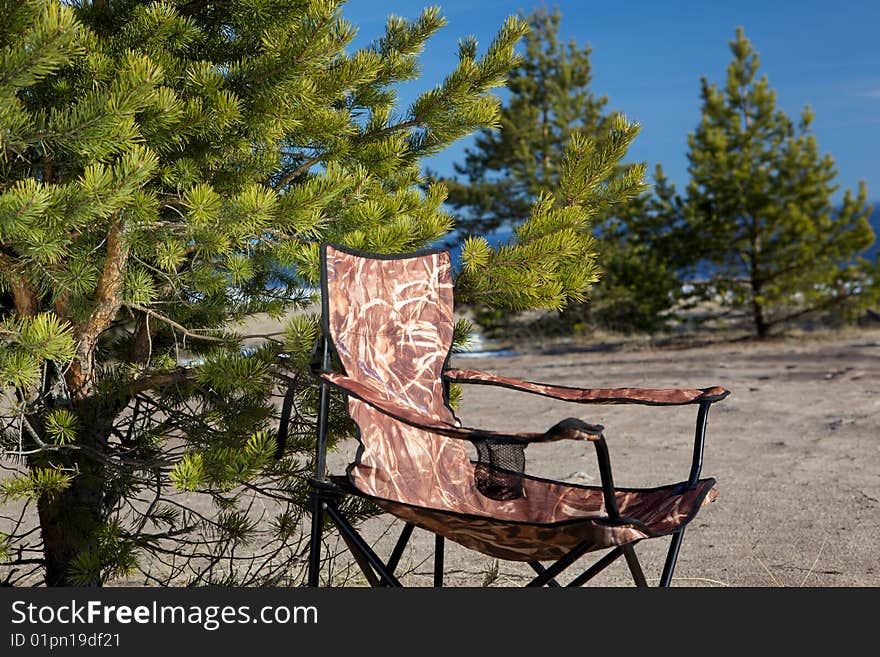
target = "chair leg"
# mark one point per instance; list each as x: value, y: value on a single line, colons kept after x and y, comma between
x: 361, y: 560
x: 399, y: 547
x: 315, y: 542
x: 634, y: 566
x: 671, y: 558
x: 438, y: 560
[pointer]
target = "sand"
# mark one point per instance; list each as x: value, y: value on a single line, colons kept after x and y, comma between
x: 795, y: 450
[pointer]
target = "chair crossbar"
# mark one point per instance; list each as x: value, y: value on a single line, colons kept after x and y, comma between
x: 539, y: 568
x: 359, y: 547
x: 379, y: 573
x: 597, y: 567
x: 564, y: 562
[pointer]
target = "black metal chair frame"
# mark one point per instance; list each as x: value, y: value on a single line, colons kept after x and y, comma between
x: 326, y: 494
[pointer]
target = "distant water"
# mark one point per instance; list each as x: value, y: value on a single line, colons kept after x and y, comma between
x: 501, y: 235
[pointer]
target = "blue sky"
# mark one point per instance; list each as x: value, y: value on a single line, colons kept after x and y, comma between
x: 648, y: 58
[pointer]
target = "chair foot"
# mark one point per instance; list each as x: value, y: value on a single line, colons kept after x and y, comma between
x: 315, y: 541
x: 634, y: 566
x: 438, y: 560
x: 671, y: 558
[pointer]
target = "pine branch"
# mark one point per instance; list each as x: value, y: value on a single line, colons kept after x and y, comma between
x: 141, y: 348
x: 384, y: 132
x: 62, y: 303
x: 175, y: 325
x: 361, y: 139
x: 108, y: 300
x: 316, y: 33
x: 27, y: 303
x: 60, y: 35
x: 157, y: 381
x: 301, y: 169
x: 108, y: 294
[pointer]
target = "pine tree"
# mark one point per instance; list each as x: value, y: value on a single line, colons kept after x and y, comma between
x: 168, y: 169
x: 550, y: 261
x: 760, y: 200
x: 647, y: 252
x: 550, y: 103
x: 550, y: 99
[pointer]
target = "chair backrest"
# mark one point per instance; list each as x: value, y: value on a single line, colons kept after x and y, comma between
x: 390, y: 320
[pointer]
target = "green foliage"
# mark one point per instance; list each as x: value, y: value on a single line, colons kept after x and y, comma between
x: 551, y: 259
x: 462, y: 335
x: 168, y: 170
x: 61, y: 426
x: 553, y: 170
x: 300, y: 336
x: 550, y: 99
x: 39, y: 482
x: 760, y: 197
x: 113, y: 554
x: 27, y: 342
x: 188, y: 473
x: 648, y: 250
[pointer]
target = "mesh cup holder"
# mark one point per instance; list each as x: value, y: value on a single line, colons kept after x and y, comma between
x: 499, y: 470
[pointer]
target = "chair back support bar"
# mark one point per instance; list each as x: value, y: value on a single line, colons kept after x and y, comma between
x: 699, y: 443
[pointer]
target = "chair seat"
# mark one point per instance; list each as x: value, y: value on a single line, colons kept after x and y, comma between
x: 519, y: 530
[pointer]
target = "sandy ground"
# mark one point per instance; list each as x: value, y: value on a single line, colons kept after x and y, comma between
x: 795, y: 450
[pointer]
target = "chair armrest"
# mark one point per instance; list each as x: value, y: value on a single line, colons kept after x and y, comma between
x: 646, y: 396
x: 568, y: 429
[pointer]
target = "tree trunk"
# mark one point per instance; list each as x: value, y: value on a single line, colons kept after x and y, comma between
x: 756, y: 278
x: 71, y: 520
x: 762, y: 328
x: 69, y: 523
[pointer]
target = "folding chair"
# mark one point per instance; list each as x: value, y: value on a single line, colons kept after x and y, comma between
x: 388, y: 320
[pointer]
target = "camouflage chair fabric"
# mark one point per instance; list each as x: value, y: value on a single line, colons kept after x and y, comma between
x: 389, y: 322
